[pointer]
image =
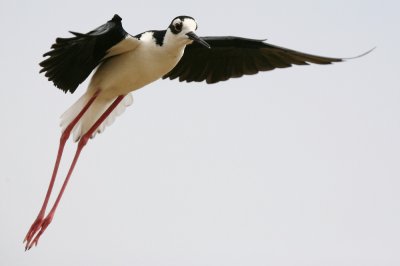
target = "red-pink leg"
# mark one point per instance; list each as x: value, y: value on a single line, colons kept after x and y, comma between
x: 82, y: 142
x: 37, y: 224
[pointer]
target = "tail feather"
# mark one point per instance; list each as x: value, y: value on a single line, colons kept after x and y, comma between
x: 98, y: 107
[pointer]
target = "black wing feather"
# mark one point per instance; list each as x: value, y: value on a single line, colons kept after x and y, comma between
x: 71, y: 60
x: 232, y: 57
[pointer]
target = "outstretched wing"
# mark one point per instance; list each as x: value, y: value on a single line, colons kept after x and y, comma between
x: 71, y: 60
x: 232, y: 57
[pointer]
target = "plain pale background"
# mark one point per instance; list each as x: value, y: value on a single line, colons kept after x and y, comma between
x: 291, y: 167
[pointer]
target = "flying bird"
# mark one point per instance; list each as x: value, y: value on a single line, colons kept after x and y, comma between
x: 124, y: 63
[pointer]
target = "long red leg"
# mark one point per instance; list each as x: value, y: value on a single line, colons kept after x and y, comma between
x: 63, y: 139
x: 82, y: 142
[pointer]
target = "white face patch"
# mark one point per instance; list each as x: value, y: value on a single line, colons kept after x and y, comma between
x: 189, y: 25
x: 176, y: 21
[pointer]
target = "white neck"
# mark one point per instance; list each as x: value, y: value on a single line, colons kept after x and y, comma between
x: 173, y: 43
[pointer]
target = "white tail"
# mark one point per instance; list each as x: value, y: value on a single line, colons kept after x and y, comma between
x: 92, y: 114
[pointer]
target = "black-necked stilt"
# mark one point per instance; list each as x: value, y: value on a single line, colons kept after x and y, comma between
x: 126, y: 63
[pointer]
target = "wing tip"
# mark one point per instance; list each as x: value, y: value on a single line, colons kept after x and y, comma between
x: 361, y: 55
x: 116, y: 18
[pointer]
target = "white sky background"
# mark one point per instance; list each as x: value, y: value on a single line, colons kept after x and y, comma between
x: 297, y: 166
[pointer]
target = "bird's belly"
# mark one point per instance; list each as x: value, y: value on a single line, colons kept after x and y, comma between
x: 124, y: 73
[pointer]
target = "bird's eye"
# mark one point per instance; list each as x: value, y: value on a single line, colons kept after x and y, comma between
x: 178, y: 27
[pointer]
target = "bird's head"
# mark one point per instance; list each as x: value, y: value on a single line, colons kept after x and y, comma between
x: 183, y: 28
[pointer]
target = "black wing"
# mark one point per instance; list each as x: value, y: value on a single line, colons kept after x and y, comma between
x: 232, y: 57
x: 71, y: 60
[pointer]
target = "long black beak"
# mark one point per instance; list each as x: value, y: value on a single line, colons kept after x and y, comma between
x: 196, y: 38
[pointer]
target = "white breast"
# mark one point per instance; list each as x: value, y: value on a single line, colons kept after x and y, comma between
x: 130, y: 71
x: 119, y: 75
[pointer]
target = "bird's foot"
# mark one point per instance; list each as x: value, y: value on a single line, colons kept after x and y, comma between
x: 37, y: 224
x: 36, y: 230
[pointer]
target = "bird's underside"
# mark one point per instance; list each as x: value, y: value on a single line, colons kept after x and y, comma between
x: 211, y: 59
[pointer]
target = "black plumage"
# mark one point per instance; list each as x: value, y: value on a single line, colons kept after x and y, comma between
x: 232, y: 57
x: 71, y: 60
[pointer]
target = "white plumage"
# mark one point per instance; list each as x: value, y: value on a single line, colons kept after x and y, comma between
x: 93, y: 113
